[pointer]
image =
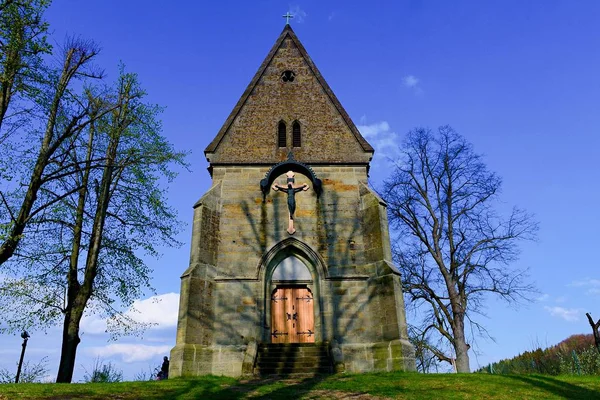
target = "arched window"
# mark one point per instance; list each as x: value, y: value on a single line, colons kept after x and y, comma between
x: 296, y: 137
x: 291, y: 269
x: 281, y: 135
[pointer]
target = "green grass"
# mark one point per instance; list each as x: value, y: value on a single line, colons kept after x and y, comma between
x: 341, y: 386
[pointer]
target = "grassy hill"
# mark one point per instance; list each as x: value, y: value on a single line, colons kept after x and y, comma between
x: 341, y: 386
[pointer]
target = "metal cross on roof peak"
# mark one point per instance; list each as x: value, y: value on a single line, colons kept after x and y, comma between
x: 287, y: 17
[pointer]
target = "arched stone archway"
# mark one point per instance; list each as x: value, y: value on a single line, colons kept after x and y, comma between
x: 294, y: 268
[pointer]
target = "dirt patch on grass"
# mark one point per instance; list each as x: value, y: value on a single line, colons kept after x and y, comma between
x: 339, y: 395
x: 296, y: 388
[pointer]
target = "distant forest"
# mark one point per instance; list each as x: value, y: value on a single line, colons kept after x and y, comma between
x: 576, y: 355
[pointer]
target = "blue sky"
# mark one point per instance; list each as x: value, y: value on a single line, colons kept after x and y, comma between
x: 519, y: 79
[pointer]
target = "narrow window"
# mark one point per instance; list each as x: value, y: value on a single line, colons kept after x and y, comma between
x: 281, y: 135
x: 296, y: 137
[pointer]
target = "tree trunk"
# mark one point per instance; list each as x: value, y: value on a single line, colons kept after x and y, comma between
x: 460, y: 346
x: 70, y: 341
x: 595, y: 329
x: 50, y: 143
x: 12, y: 64
x: 9, y: 245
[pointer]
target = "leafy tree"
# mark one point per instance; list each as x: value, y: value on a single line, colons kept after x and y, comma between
x: 575, y: 354
x: 43, y: 155
x: 83, y: 256
x: 81, y: 196
x: 453, y: 247
x: 23, y: 42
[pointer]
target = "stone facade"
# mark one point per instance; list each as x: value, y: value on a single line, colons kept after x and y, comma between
x: 239, y: 233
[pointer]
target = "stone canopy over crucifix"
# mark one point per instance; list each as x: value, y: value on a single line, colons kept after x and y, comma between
x: 291, y: 191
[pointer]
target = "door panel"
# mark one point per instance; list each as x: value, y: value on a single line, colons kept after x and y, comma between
x: 292, y: 315
x: 305, y: 321
x: 279, y: 330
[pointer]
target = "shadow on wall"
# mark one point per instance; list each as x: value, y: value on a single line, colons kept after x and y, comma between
x: 237, y: 317
x: 332, y: 229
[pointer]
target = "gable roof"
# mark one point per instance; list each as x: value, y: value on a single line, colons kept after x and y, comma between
x: 287, y: 32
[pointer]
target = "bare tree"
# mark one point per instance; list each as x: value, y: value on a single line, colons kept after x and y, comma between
x: 595, y: 329
x: 425, y: 358
x: 453, y: 247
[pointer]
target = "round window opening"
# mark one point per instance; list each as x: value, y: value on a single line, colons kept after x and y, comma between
x: 288, y: 76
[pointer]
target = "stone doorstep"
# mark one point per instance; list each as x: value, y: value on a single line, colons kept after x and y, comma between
x: 310, y: 354
x: 298, y: 375
x: 303, y: 362
x: 293, y: 358
x: 292, y: 345
x: 293, y: 354
x: 287, y: 372
x: 294, y: 351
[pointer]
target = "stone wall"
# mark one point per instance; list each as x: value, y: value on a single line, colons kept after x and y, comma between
x: 251, y: 135
x: 225, y: 295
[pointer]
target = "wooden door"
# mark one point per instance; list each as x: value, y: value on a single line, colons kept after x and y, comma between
x: 292, y: 315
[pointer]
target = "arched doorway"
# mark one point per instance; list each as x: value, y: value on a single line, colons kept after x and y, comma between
x: 292, y: 303
x: 291, y: 264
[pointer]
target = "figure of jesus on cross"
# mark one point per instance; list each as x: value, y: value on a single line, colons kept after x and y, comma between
x: 291, y: 191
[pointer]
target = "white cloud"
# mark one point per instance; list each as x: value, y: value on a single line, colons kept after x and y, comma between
x: 568, y: 314
x: 130, y: 352
x: 374, y: 130
x: 560, y: 299
x: 543, y: 297
x: 331, y: 16
x: 160, y: 311
x: 298, y: 13
x: 586, y: 282
x: 382, y: 138
x: 592, y: 285
x: 410, y: 81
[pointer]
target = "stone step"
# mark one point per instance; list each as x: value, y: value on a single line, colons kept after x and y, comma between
x: 299, y: 363
x: 293, y: 349
x: 293, y: 345
x: 293, y: 370
x: 314, y: 360
x: 304, y: 353
x: 293, y: 358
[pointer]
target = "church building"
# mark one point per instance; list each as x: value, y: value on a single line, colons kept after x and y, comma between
x: 290, y: 267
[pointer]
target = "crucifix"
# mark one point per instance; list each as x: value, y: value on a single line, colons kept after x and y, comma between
x: 287, y: 17
x: 291, y: 191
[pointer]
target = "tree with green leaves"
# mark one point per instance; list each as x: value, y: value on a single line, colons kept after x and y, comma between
x: 40, y: 158
x: 453, y: 247
x: 81, y: 199
x: 23, y: 42
x: 84, y: 253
